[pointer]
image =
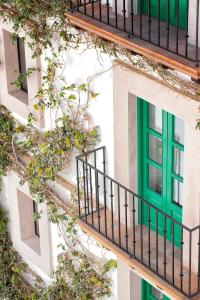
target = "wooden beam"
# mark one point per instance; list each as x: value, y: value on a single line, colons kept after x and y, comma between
x: 141, y: 47
x: 65, y: 183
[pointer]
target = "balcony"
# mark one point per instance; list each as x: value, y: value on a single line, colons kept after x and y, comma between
x: 172, y: 38
x: 168, y: 249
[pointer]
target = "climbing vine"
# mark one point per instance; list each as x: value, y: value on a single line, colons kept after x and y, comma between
x: 38, y: 156
x: 11, y: 284
x: 80, y: 275
x: 87, y: 280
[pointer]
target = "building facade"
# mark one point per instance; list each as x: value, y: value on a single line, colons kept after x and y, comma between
x: 141, y: 192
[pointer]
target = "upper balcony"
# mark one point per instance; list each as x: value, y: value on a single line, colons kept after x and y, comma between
x: 157, y: 245
x: 166, y: 30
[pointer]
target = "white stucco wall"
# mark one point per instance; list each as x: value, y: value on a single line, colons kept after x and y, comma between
x: 79, y: 67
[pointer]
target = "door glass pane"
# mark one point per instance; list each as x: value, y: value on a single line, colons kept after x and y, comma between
x: 155, y: 179
x: 178, y: 161
x: 179, y: 130
x: 155, y: 149
x: 178, y: 192
x: 155, y: 118
x: 154, y: 292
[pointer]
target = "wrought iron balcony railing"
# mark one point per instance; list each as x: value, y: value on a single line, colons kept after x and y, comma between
x: 166, y: 247
x: 173, y: 25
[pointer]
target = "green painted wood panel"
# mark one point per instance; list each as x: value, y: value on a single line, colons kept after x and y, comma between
x: 150, y: 293
x: 168, y: 10
x: 156, y: 174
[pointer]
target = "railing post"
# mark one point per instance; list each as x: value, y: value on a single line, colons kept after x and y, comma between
x: 149, y: 235
x: 141, y: 228
x: 199, y: 261
x: 156, y: 241
x: 119, y: 214
x: 92, y: 8
x: 99, y: 10
x: 190, y: 261
x: 134, y: 241
x: 112, y: 219
x: 87, y: 186
x: 149, y: 19
x: 168, y: 22
x: 141, y: 12
x: 197, y: 35
x: 77, y: 5
x: 126, y: 220
x: 181, y: 260
x: 78, y: 187
x: 84, y: 192
x: 91, y: 196
x: 132, y: 14
x: 116, y: 16
x: 97, y: 199
x: 108, y: 11
x: 104, y: 190
x: 165, y: 249
x: 158, y: 22
x: 84, y: 4
x: 124, y: 15
x: 177, y: 25
x: 70, y: 3
x: 186, y: 32
x: 173, y: 248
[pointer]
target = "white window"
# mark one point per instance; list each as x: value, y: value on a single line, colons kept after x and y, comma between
x: 29, y: 227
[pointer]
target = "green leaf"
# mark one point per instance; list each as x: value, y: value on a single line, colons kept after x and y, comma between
x: 112, y: 263
x: 36, y: 106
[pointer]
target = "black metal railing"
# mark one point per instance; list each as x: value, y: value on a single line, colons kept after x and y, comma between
x: 169, y: 26
x: 165, y: 246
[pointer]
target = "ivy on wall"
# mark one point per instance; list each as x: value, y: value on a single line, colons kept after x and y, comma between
x: 12, y: 285
x: 80, y: 274
x: 71, y: 282
x: 46, y: 30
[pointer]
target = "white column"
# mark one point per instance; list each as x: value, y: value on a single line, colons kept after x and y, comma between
x: 192, y: 21
x: 127, y: 7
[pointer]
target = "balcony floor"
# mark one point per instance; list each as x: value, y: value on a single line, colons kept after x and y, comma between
x: 155, y: 259
x: 173, y: 56
x: 145, y: 29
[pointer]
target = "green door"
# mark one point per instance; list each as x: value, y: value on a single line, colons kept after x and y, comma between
x: 151, y: 293
x: 160, y: 171
x: 173, y: 6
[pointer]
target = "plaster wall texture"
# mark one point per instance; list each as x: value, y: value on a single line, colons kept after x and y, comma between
x: 82, y: 66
